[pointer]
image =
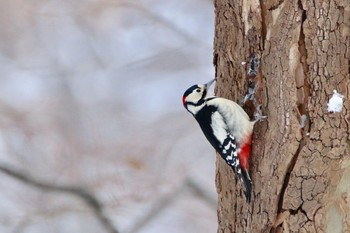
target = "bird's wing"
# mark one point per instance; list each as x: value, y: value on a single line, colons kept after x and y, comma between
x: 229, y: 152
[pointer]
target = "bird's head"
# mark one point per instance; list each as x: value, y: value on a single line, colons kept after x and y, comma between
x: 194, y: 97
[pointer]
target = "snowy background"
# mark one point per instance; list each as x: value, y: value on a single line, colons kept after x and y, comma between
x: 90, y: 97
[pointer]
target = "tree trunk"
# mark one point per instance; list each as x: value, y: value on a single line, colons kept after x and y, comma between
x: 300, y: 169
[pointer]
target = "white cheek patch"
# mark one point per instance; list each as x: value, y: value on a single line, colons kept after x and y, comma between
x: 194, y: 109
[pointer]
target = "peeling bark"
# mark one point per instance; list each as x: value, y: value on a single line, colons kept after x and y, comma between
x: 300, y: 175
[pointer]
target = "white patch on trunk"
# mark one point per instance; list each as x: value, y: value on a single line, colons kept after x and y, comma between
x: 303, y: 121
x: 335, y: 104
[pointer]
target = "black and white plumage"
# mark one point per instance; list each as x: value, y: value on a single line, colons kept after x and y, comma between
x: 226, y: 126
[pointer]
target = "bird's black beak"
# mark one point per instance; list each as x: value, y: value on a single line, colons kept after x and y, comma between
x: 208, y: 84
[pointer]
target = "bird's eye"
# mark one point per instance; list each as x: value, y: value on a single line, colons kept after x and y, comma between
x: 198, y: 90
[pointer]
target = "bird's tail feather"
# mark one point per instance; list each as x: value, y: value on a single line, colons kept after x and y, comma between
x: 247, y: 184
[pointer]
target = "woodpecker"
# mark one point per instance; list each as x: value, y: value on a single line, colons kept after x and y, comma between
x: 226, y: 126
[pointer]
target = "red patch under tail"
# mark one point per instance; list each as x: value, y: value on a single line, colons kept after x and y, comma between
x: 245, y: 153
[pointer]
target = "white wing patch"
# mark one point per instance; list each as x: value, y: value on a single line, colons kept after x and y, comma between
x: 219, y: 127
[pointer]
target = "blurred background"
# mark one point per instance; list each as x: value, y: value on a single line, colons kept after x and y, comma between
x: 93, y: 134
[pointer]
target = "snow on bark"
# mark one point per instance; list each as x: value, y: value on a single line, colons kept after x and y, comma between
x: 335, y: 103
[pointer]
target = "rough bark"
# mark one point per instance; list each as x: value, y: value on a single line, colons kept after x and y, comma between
x: 300, y: 175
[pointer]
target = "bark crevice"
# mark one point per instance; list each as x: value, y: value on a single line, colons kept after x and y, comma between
x: 302, y: 109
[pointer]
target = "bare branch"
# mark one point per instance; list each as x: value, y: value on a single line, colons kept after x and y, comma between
x: 90, y: 200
